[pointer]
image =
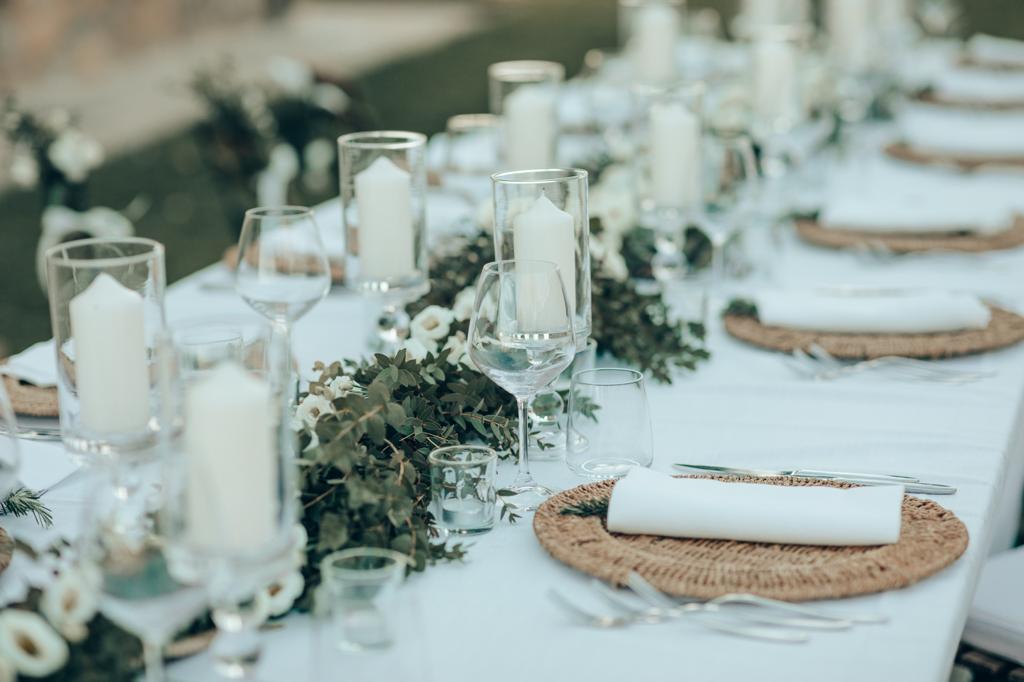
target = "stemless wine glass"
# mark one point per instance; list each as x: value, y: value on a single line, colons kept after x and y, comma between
x: 282, y: 265
x: 609, y: 423
x: 521, y: 337
x: 730, y: 193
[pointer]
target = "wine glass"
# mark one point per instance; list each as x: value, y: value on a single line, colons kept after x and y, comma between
x: 282, y: 265
x: 521, y: 337
x: 730, y: 189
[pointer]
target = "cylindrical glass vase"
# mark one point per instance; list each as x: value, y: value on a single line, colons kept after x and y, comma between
x: 107, y: 312
x: 525, y: 95
x: 649, y: 32
x: 542, y: 215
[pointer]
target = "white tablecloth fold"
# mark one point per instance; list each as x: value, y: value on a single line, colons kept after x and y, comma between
x: 987, y: 49
x: 651, y: 503
x: 865, y: 312
x: 949, y: 130
x: 37, y: 365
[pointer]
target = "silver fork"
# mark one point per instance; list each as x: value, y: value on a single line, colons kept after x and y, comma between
x: 606, y: 621
x: 911, y: 365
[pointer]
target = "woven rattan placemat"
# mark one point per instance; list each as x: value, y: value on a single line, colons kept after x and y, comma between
x: 33, y: 401
x: 932, y: 97
x: 1004, y: 329
x: 904, y: 152
x: 897, y: 242
x: 931, y: 538
x: 230, y: 259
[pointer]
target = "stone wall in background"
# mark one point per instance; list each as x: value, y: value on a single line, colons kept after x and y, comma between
x: 84, y: 37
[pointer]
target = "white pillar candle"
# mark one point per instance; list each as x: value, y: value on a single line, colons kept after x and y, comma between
x: 652, y: 43
x: 776, y: 92
x: 529, y: 118
x: 849, y: 25
x: 111, y: 368
x: 232, y: 472
x: 675, y: 155
x: 386, y: 240
x: 546, y: 233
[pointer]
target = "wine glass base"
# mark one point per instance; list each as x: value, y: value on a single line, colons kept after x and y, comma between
x: 526, y: 498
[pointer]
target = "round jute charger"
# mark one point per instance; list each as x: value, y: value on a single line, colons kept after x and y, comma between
x: 904, y: 152
x: 931, y: 538
x: 932, y: 97
x: 230, y: 259
x: 907, y: 242
x: 1004, y: 329
x: 32, y: 401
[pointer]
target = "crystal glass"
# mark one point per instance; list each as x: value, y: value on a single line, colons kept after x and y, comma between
x: 383, y: 199
x: 609, y: 423
x: 10, y: 453
x: 542, y: 215
x: 730, y: 194
x: 471, y: 155
x: 649, y: 31
x: 525, y: 95
x: 521, y: 337
x: 462, y: 485
x: 361, y: 586
x: 547, y: 409
x: 107, y: 312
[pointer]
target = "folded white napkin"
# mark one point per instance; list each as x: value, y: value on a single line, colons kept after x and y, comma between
x: 865, y: 312
x: 651, y: 503
x: 979, y: 85
x: 987, y: 49
x: 996, y: 620
x: 948, y: 130
x: 37, y: 365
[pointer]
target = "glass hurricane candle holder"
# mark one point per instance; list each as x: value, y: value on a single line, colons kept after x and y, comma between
x: 383, y: 200
x: 525, y: 95
x: 542, y: 215
x: 649, y: 31
x: 107, y: 312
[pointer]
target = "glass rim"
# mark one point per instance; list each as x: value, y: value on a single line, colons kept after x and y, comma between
x: 634, y: 376
x: 499, y: 265
x: 536, y: 176
x: 54, y: 253
x: 397, y: 560
x: 382, y: 139
x: 287, y: 210
x: 471, y: 120
x: 524, y: 70
x: 487, y: 455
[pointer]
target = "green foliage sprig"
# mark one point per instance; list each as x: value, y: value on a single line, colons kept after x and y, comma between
x: 595, y: 507
x: 741, y: 307
x: 24, y: 502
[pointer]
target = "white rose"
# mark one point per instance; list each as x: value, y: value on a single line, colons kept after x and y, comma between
x: 615, y: 207
x: 614, y: 265
x: 456, y: 343
x: 340, y: 386
x: 462, y: 309
x: 330, y: 97
x: 310, y: 410
x: 75, y: 154
x: 24, y: 169
x: 30, y: 645
x: 277, y: 597
x: 418, y: 350
x: 69, y: 603
x: 102, y: 221
x: 431, y: 324
x: 293, y: 76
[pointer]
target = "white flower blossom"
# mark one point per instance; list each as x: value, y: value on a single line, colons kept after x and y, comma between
x: 431, y: 324
x: 7, y: 673
x: 616, y: 208
x: 300, y: 538
x: 456, y: 343
x: 310, y: 410
x: 330, y: 97
x: 319, y: 154
x: 30, y: 645
x: 614, y: 265
x: 340, y: 386
x: 416, y: 349
x: 69, y: 603
x: 24, y: 168
x: 462, y: 309
x: 75, y: 154
x: 485, y: 214
x: 293, y: 76
x: 277, y: 597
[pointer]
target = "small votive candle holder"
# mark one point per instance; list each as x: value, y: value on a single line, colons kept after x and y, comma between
x: 362, y: 589
x: 463, y: 490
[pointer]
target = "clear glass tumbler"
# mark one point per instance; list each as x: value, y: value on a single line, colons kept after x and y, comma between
x: 362, y: 590
x: 609, y: 423
x: 462, y: 480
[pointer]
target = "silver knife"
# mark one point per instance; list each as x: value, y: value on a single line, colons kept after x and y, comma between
x: 910, y: 484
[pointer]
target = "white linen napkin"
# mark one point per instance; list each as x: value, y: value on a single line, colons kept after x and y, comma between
x: 37, y: 365
x: 651, y: 503
x: 948, y: 130
x: 986, y: 49
x: 864, y: 312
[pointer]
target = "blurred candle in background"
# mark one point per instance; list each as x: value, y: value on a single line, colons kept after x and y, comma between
x: 531, y: 127
x: 775, y: 98
x: 654, y: 30
x: 675, y: 155
x: 849, y: 26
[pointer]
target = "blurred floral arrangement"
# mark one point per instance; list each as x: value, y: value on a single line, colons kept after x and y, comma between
x: 272, y: 140
x: 51, y: 155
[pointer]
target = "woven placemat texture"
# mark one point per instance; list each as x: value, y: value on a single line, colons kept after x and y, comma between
x: 904, y: 152
x: 1004, y: 329
x: 230, y: 259
x: 904, y: 242
x: 6, y: 550
x: 32, y: 401
x: 932, y: 97
x: 931, y: 538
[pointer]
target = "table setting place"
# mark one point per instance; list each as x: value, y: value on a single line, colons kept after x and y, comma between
x: 543, y: 388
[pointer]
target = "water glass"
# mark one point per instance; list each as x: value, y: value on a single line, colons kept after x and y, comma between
x: 524, y: 94
x: 361, y: 588
x: 547, y: 409
x: 609, y: 423
x: 730, y: 195
x: 462, y: 480
x: 107, y: 312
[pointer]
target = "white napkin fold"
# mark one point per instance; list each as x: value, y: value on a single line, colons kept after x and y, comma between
x: 986, y: 49
x: 948, y: 130
x: 651, y: 503
x: 910, y: 312
x: 37, y: 365
x: 979, y: 85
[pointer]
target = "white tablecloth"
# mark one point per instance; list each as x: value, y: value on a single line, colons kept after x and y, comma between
x: 489, y: 618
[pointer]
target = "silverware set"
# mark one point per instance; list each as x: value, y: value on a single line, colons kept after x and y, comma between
x: 818, y: 364
x: 740, y: 615
x: 909, y: 483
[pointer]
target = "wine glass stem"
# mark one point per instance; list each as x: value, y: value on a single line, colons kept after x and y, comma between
x: 284, y: 330
x: 717, y: 261
x: 153, y: 659
x: 524, y: 443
